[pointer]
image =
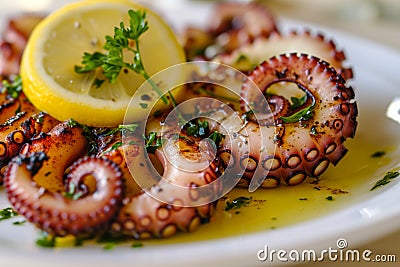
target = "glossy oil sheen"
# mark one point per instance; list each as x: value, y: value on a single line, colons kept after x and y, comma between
x: 347, y: 183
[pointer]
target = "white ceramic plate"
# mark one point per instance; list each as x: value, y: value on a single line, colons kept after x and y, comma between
x: 377, y: 84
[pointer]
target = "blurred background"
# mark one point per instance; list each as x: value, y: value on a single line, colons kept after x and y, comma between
x: 377, y: 20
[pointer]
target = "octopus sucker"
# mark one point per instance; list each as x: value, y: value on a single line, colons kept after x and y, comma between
x: 291, y: 122
x: 304, y: 146
x: 60, y: 214
x: 142, y: 213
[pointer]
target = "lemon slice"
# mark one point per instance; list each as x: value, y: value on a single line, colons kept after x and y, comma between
x: 57, y: 44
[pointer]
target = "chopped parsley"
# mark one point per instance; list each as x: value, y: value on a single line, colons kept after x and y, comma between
x: 13, y: 87
x: 114, y: 146
x: 121, y: 128
x: 112, y: 62
x: 237, y: 203
x: 152, y: 142
x: 200, y: 128
x: 330, y: 198
x: 197, y: 129
x: 19, y: 222
x: 389, y: 176
x: 109, y: 246
x: 378, y: 154
x: 304, y: 114
x: 216, y: 137
x: 298, y: 102
x: 46, y: 240
x: 7, y: 213
x: 72, y: 192
x: 137, y: 245
x: 87, y: 132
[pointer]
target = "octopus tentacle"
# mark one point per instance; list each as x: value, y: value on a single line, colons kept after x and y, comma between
x: 15, y: 127
x: 64, y: 144
x: 304, y: 146
x: 58, y: 214
x: 247, y: 56
x: 145, y: 215
x: 79, y: 202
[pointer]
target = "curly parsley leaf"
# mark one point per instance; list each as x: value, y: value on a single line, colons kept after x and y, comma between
x: 7, y: 213
x: 13, y: 87
x: 152, y: 142
x: 113, y: 62
x: 237, y: 203
x: 304, y: 114
x: 216, y: 137
x: 298, y: 102
x: 197, y: 128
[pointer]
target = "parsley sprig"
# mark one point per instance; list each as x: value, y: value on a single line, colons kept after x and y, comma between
x: 389, y: 176
x: 7, y: 213
x: 13, y: 87
x: 302, y: 115
x: 112, y: 62
x: 152, y: 142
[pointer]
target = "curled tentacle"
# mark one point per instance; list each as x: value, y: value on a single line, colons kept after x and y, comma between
x: 248, y: 56
x: 63, y: 214
x: 304, y: 145
x: 79, y: 202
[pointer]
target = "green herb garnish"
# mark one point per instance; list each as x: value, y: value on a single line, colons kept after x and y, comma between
x: 152, y: 142
x: 137, y: 245
x: 7, y: 213
x: 112, y: 62
x: 216, y: 137
x: 109, y: 246
x: 87, y: 132
x: 237, y: 203
x: 304, y: 114
x: 378, y: 154
x: 13, y: 87
x: 197, y: 129
x: 19, y: 222
x: 46, y: 240
x: 72, y: 192
x: 298, y: 102
x: 386, y: 179
x: 330, y: 198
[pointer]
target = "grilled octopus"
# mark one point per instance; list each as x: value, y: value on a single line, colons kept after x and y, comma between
x: 54, y: 179
x: 61, y: 191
